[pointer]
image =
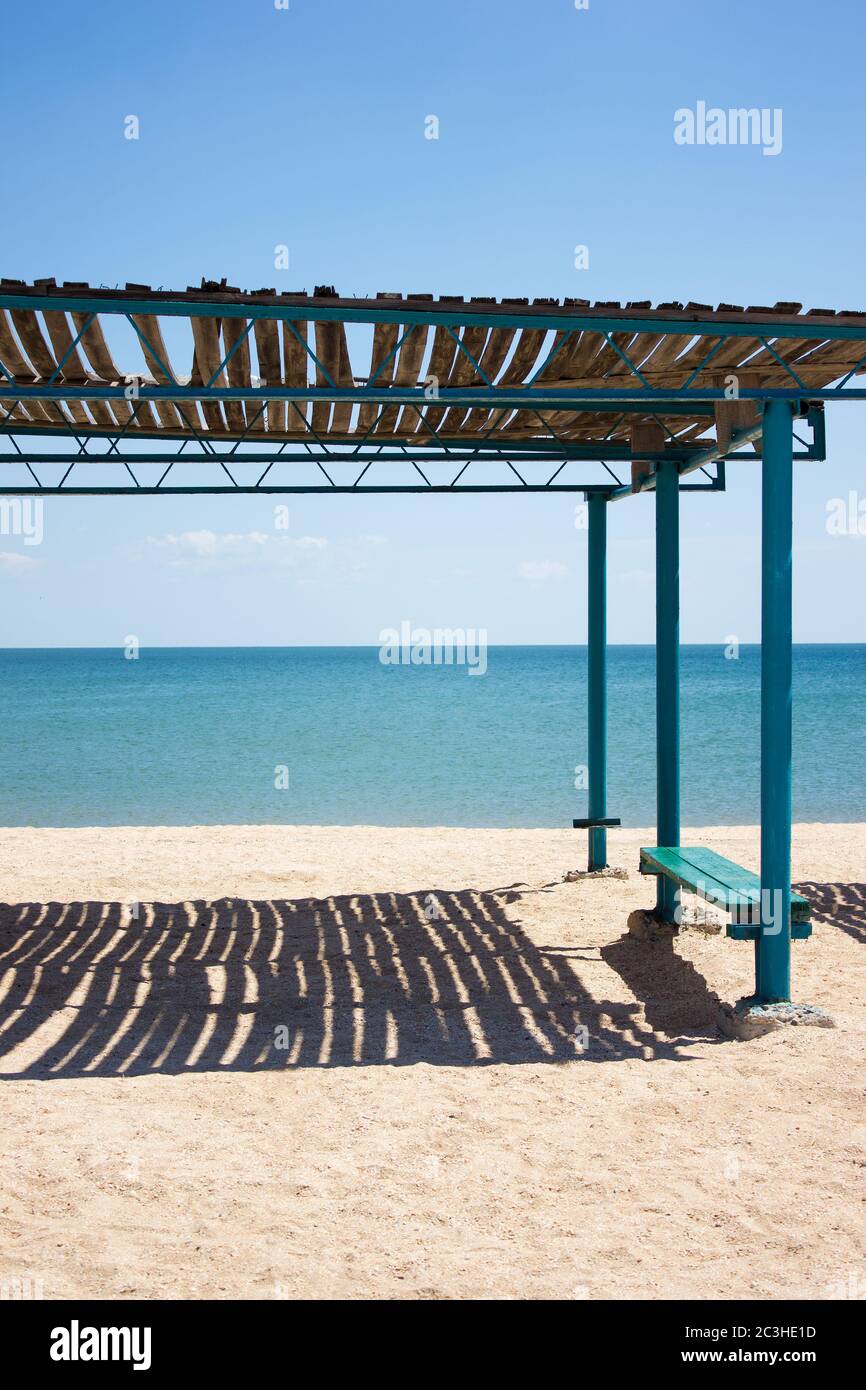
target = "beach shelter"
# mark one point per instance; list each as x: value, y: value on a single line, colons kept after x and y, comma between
x: 236, y: 392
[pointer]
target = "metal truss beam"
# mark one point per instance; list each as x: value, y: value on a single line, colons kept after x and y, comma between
x: 422, y: 444
x: 116, y: 476
x: 587, y: 452
x: 401, y: 311
x: 444, y: 489
x: 665, y: 400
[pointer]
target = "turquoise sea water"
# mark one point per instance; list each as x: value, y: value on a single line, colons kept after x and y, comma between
x: 195, y: 735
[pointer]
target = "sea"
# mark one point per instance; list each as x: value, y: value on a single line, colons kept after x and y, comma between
x: 333, y: 736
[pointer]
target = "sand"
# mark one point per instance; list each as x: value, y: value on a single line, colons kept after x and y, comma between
x: 347, y: 1063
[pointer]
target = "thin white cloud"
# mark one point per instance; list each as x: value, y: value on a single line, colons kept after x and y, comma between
x: 11, y: 563
x: 205, y: 550
x: 542, y: 569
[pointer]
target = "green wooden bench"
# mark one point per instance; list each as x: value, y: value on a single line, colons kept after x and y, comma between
x: 724, y: 883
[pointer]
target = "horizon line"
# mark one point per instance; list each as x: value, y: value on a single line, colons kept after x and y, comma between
x: 373, y: 646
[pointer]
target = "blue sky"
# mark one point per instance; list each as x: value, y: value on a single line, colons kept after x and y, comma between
x: 261, y: 126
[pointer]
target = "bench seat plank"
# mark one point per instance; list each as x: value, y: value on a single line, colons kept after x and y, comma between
x: 714, y: 878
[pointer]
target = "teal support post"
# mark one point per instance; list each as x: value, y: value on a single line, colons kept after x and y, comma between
x: 667, y: 674
x: 597, y: 677
x: 773, y: 946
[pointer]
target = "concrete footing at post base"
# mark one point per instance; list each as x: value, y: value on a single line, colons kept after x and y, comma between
x: 645, y: 925
x: 578, y: 875
x: 749, y: 1019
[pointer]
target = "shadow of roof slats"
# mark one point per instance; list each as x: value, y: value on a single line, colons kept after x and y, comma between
x: 392, y: 978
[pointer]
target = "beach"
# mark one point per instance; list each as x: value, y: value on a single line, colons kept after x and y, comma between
x: 349, y: 1062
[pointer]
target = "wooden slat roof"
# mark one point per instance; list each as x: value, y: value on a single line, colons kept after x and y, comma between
x: 33, y: 341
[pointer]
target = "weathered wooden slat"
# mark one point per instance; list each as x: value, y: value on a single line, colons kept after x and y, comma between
x: 382, y: 362
x: 442, y: 356
x: 825, y: 364
x: 813, y: 359
x: 96, y: 350
x: 524, y: 363
x: 565, y: 354
x: 95, y: 347
x: 233, y: 373
x: 332, y: 369
x: 327, y: 336
x: 296, y: 362
x: 677, y: 369
x: 201, y: 415
x: 594, y: 357
x: 578, y: 356
x: 789, y: 349
x: 342, y: 416
x: 239, y: 371
x: 686, y: 431
x: 142, y: 414
x: 732, y: 357
x: 671, y: 347
x: 639, y: 351
x: 525, y: 358
x: 588, y: 426
x: 267, y: 337
x: 158, y: 364
x: 62, y: 343
x: 43, y: 360
x: 10, y: 353
x: 607, y: 360
x: 14, y: 362
x: 207, y: 356
x: 495, y: 352
x: 463, y: 373
x: 40, y: 354
x: 15, y: 413
x: 406, y: 373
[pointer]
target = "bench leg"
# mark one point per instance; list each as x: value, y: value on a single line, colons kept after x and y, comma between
x: 773, y: 947
x: 667, y: 673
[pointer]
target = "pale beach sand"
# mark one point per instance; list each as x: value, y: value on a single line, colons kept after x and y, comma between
x: 430, y: 1129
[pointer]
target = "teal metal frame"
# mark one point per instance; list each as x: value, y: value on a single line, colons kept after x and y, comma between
x: 434, y: 451
x: 411, y: 310
x: 667, y: 517
x: 431, y: 447
x: 773, y: 944
x: 596, y: 661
